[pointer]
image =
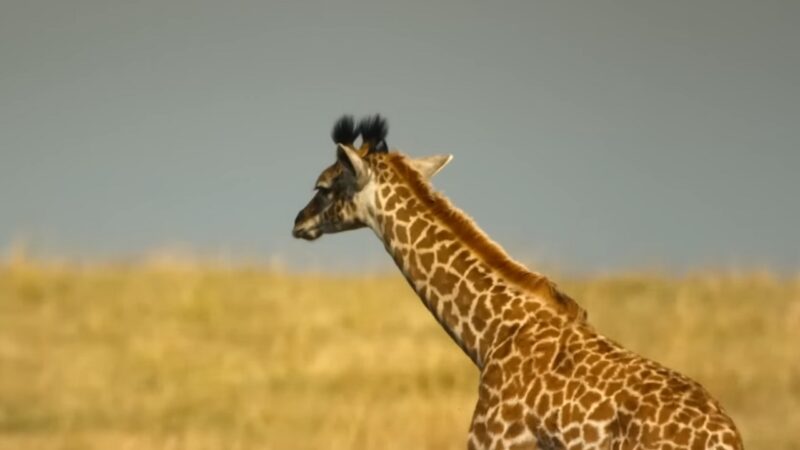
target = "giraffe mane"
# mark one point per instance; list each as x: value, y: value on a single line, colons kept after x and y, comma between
x: 463, y: 227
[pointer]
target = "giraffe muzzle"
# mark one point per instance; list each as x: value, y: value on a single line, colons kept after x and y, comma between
x: 306, y: 234
x: 304, y: 228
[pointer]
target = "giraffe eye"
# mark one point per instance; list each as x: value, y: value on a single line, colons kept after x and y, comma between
x: 324, y: 190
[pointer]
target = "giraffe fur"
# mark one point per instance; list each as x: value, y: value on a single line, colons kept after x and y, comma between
x: 548, y: 379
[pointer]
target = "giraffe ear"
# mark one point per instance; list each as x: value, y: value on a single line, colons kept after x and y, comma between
x: 352, y: 164
x: 430, y: 165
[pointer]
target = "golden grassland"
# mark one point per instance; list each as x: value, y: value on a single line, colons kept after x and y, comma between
x: 154, y: 356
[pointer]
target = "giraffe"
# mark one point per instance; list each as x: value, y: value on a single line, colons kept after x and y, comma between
x: 548, y: 379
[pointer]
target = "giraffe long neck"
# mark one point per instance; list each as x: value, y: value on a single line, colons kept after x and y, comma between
x: 474, y: 290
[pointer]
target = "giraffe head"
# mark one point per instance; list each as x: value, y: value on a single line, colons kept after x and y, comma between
x: 344, y: 197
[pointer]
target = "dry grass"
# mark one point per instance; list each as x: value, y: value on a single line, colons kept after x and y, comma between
x: 182, y: 357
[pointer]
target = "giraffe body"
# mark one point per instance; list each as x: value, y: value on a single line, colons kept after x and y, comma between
x: 571, y: 388
x: 548, y: 380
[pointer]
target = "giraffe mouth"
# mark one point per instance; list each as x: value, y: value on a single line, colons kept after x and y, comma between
x: 305, y: 227
x: 308, y: 234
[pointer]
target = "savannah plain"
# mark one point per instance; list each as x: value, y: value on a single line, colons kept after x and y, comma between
x: 184, y: 355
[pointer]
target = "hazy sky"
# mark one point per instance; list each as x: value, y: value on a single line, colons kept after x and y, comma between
x: 593, y: 135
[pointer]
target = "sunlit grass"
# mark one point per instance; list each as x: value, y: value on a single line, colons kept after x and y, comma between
x: 199, y: 356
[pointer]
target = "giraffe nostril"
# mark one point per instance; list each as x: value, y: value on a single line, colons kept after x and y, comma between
x: 298, y: 218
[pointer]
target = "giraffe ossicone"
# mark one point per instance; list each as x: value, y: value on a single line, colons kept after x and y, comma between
x: 548, y: 379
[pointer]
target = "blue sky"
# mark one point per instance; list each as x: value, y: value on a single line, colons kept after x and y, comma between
x: 596, y: 135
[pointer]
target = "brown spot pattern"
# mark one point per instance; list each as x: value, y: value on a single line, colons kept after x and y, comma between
x: 548, y: 379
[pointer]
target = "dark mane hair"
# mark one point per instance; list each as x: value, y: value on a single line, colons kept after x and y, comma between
x: 344, y: 131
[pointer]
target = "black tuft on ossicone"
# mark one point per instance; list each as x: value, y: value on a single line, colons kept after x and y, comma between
x: 373, y: 130
x: 380, y: 147
x: 344, y: 131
